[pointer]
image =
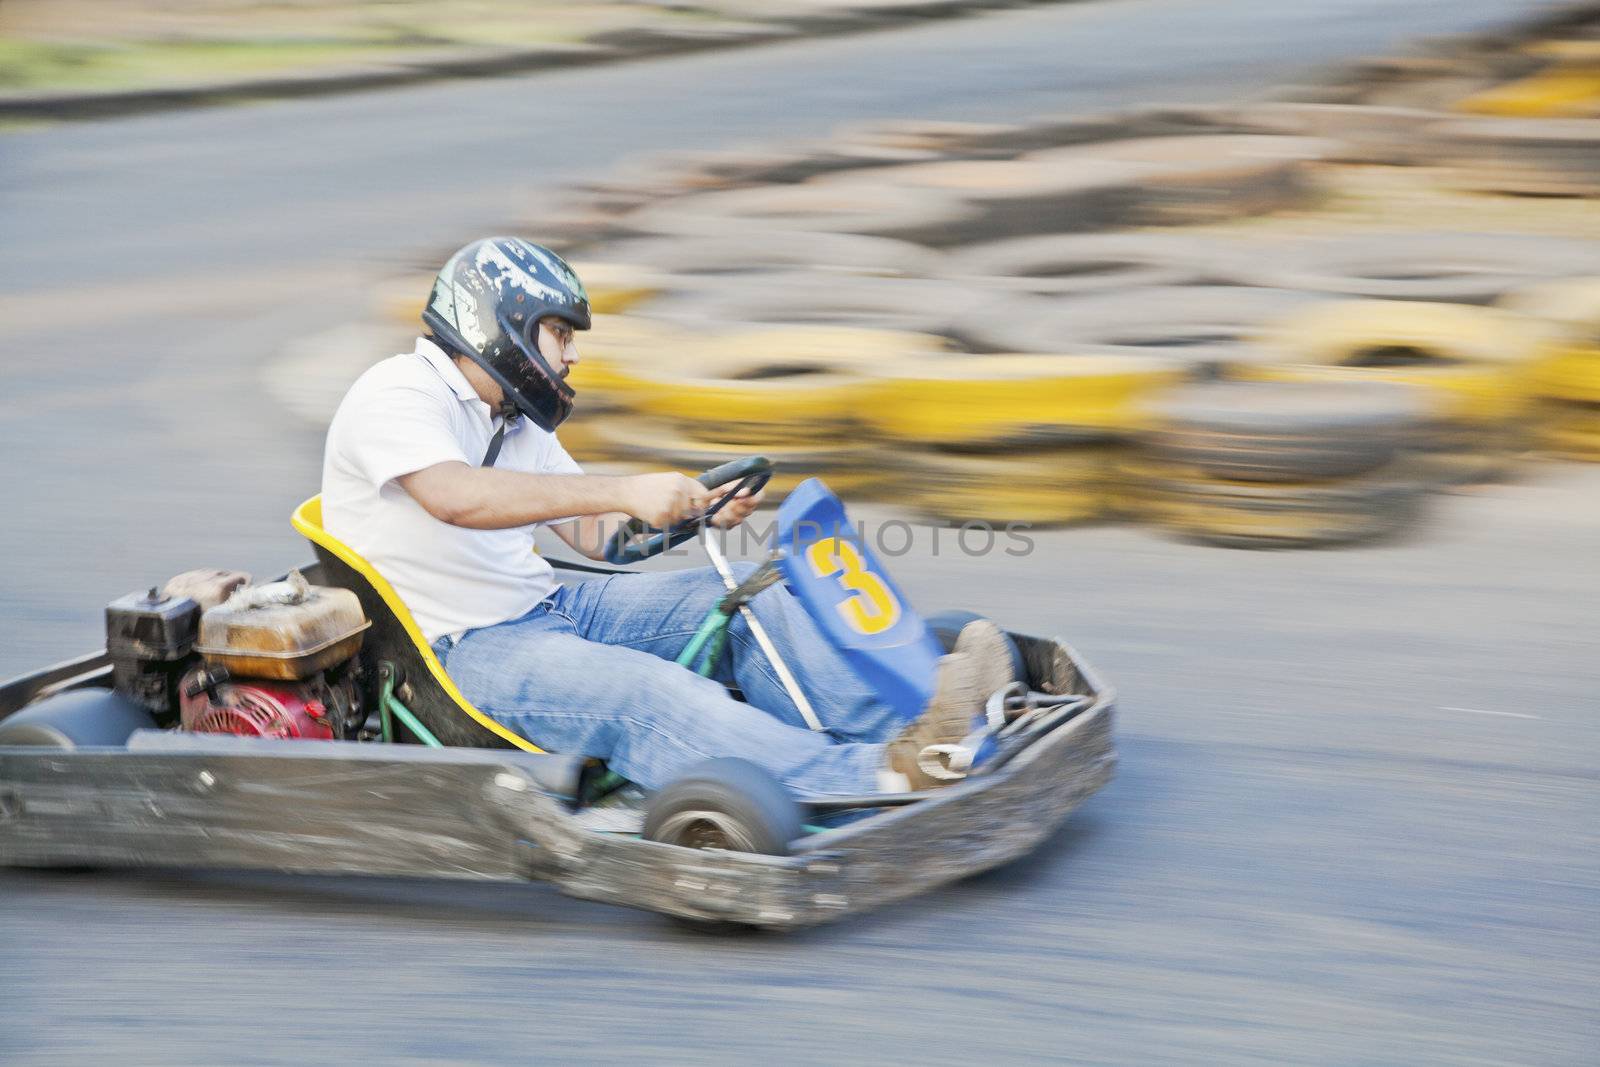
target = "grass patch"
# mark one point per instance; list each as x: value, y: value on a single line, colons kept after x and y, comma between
x: 37, y: 65
x: 27, y: 63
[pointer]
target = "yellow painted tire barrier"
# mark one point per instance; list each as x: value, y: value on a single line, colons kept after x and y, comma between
x: 777, y: 385
x: 1046, y: 487
x: 1572, y: 431
x: 1256, y: 515
x: 770, y: 351
x: 998, y: 399
x: 617, y: 353
x: 1569, y: 310
x: 660, y: 445
x: 763, y: 413
x: 1345, y: 333
x: 1482, y: 393
x: 1566, y: 89
x: 1000, y: 504
x: 1569, y: 373
x: 1474, y: 361
x: 584, y: 438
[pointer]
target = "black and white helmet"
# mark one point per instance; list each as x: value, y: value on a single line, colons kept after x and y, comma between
x: 486, y: 305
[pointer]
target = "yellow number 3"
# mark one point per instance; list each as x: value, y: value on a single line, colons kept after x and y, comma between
x: 873, y: 609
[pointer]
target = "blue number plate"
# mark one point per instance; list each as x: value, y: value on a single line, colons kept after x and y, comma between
x: 854, y: 602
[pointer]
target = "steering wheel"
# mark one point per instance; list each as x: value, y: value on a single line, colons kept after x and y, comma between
x: 638, y: 541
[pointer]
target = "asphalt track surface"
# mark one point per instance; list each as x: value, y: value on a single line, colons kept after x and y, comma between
x: 1356, y: 816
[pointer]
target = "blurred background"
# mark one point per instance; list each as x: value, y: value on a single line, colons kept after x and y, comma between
x: 1171, y: 281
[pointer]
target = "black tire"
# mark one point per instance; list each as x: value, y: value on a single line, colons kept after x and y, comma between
x: 946, y: 626
x: 79, y: 718
x: 1203, y: 323
x: 781, y: 250
x: 1276, y: 458
x: 921, y: 216
x: 1197, y: 178
x: 1006, y: 141
x: 913, y: 305
x: 1074, y: 264
x: 1243, y: 432
x: 1241, y: 515
x: 1466, y: 268
x: 1358, y: 133
x: 725, y: 803
x: 1536, y: 157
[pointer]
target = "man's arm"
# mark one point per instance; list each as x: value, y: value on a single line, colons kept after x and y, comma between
x: 587, y: 534
x: 489, y: 498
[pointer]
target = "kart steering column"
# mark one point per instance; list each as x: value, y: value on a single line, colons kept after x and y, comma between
x: 790, y: 685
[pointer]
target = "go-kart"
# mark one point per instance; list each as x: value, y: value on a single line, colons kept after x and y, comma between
x: 353, y: 751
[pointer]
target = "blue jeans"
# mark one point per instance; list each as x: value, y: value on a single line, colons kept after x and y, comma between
x: 590, y: 671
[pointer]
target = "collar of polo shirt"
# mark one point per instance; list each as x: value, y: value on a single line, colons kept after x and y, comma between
x: 440, y: 361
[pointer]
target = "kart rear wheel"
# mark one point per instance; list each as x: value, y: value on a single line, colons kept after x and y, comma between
x: 78, y: 718
x: 729, y: 804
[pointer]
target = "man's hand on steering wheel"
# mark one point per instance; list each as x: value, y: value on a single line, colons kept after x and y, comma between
x: 738, y: 509
x: 668, y: 509
x: 666, y: 499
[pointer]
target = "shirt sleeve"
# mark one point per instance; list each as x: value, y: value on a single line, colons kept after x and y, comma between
x: 397, y: 430
x: 556, y: 460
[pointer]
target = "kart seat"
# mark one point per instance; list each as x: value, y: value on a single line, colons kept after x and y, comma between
x: 430, y: 694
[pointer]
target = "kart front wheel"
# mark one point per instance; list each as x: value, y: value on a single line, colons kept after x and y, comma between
x: 729, y: 804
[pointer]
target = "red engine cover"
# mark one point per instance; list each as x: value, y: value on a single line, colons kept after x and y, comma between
x: 257, y: 709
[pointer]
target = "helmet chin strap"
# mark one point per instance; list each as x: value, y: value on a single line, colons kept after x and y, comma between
x: 508, y: 418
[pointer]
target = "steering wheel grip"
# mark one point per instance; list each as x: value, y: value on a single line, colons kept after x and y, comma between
x: 756, y: 468
x: 625, y: 546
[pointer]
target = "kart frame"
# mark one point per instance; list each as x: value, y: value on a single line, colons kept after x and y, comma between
x: 328, y: 807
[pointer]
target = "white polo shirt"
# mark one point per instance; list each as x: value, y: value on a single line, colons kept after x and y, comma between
x: 410, y: 412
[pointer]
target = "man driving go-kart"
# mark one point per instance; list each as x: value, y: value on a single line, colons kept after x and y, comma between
x: 442, y: 462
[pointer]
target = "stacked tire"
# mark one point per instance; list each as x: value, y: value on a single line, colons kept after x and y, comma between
x: 607, y: 379
x: 1566, y: 375
x: 1526, y: 157
x: 1420, y: 265
x: 1264, y: 465
x: 1141, y: 181
x: 1010, y: 437
x: 792, y: 393
x: 1472, y: 365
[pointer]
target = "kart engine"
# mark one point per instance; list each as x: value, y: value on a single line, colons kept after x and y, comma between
x: 317, y: 710
x: 272, y: 661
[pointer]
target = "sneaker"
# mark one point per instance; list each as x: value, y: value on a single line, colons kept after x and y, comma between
x: 979, y: 665
x: 993, y: 650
